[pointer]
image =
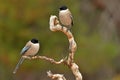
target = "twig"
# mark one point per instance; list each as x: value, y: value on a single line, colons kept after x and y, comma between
x: 55, y: 76
x: 46, y: 58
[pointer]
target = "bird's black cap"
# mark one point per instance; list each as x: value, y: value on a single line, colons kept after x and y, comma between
x: 63, y: 8
x: 34, y: 40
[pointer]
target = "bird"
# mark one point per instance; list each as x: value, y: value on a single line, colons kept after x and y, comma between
x: 30, y: 49
x: 65, y: 17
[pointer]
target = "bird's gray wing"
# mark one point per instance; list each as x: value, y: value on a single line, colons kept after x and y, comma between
x: 25, y: 49
x: 72, y: 20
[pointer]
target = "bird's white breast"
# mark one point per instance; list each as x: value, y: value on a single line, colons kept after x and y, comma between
x: 33, y: 50
x: 65, y: 17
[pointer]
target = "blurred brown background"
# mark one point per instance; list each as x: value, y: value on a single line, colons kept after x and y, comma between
x: 96, y: 30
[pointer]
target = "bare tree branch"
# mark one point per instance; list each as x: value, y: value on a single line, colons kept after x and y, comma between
x: 55, y: 76
x: 55, y: 26
x: 76, y: 72
x: 46, y: 58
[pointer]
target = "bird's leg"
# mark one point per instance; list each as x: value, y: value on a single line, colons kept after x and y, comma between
x: 32, y: 56
x: 62, y: 27
x: 68, y: 28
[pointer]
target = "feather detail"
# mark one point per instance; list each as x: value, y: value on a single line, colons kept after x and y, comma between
x: 19, y: 63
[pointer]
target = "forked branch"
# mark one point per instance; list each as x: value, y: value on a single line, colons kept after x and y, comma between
x: 55, y: 26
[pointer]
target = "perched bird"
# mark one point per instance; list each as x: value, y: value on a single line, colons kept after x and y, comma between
x: 31, y: 48
x: 65, y: 17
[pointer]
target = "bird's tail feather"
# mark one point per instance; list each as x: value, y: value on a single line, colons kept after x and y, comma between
x: 19, y: 63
